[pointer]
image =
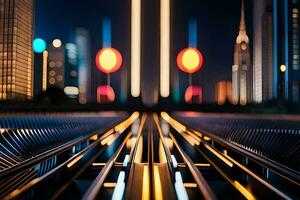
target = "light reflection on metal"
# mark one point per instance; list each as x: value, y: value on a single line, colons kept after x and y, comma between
x: 146, y: 184
x: 136, y: 16
x: 165, y: 32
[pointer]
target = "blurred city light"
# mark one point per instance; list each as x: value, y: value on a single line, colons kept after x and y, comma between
x: 190, y: 60
x: 193, y: 94
x: 136, y: 15
x: 108, y: 60
x: 57, y: 43
x: 165, y: 32
x: 71, y: 91
x: 283, y: 68
x: 105, y: 94
x: 39, y: 45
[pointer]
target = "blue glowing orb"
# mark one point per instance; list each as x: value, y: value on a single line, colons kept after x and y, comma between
x: 39, y: 45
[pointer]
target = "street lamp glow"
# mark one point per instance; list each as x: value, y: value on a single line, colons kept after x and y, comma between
x: 57, y: 43
x: 39, y: 45
x: 108, y: 60
x: 190, y: 60
x: 282, y: 68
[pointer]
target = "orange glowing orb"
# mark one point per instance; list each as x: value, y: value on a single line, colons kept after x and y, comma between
x: 190, y: 60
x: 108, y: 60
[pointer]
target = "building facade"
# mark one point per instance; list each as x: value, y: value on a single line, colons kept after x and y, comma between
x: 286, y: 50
x: 242, y: 69
x: 16, y: 35
x: 263, y: 53
x: 56, y: 66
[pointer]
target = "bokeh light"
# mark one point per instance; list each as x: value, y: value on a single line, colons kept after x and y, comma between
x: 190, y: 60
x: 39, y: 45
x: 57, y: 43
x: 282, y: 68
x: 108, y: 60
x: 105, y: 94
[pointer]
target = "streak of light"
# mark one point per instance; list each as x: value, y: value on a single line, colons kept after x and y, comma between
x: 109, y: 185
x: 202, y: 164
x: 225, y: 160
x: 174, y: 161
x: 120, y: 187
x: 94, y: 137
x: 139, y: 151
x: 74, y: 161
x: 165, y: 26
x: 157, y: 184
x: 136, y: 16
x: 243, y: 190
x: 146, y: 184
x: 99, y: 164
x: 190, y: 185
x: 179, y: 187
x: 162, y: 153
x: 126, y: 160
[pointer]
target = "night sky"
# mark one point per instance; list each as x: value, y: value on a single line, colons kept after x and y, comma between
x: 218, y: 23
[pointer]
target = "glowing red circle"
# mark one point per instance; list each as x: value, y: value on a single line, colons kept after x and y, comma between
x: 108, y: 60
x: 190, y: 60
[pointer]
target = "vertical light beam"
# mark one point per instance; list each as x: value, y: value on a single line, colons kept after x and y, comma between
x: 45, y: 64
x: 106, y: 37
x: 165, y: 26
x: 136, y: 47
x: 193, y: 33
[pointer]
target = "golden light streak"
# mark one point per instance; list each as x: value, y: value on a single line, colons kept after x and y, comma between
x: 139, y: 151
x: 99, y: 164
x: 225, y: 160
x: 243, y: 191
x: 74, y: 161
x: 45, y: 64
x: 105, y: 140
x: 190, y: 185
x: 94, y: 137
x: 206, y: 138
x: 162, y: 153
x: 146, y: 184
x: 136, y: 15
x: 125, y: 124
x: 202, y: 164
x: 112, y: 139
x: 165, y: 26
x: 157, y: 184
x: 109, y: 185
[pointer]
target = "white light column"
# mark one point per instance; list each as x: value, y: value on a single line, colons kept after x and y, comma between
x: 136, y: 15
x: 165, y: 26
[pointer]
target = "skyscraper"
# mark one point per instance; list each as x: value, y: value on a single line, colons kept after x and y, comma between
x: 286, y: 50
x: 242, y: 69
x: 56, y: 64
x: 263, y: 72
x: 16, y: 35
x: 82, y: 40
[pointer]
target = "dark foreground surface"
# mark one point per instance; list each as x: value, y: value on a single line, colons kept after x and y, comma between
x: 118, y: 155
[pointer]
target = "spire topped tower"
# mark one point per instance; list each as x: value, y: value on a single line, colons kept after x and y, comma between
x: 242, y: 69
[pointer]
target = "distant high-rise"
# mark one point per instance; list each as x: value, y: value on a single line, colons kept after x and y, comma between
x: 241, y: 69
x: 56, y: 65
x: 263, y: 72
x: 82, y: 40
x: 16, y: 35
x: 286, y: 26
